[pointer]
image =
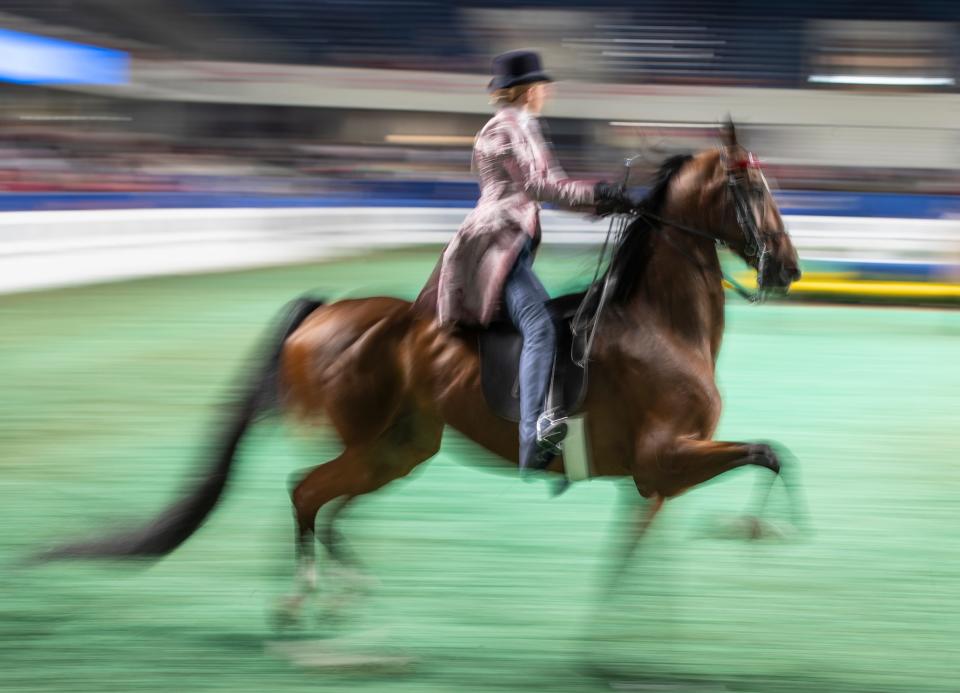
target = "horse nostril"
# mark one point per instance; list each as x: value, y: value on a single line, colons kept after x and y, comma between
x: 790, y: 274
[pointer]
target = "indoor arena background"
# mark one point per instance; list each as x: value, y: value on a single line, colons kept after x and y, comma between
x: 172, y: 173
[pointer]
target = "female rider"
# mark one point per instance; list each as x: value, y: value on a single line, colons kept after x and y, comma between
x: 489, y: 262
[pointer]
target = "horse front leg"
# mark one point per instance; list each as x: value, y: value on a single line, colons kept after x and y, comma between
x: 641, y: 513
x: 690, y: 462
x: 662, y: 474
x: 634, y: 518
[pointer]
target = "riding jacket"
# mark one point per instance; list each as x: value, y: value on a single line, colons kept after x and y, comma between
x: 517, y: 172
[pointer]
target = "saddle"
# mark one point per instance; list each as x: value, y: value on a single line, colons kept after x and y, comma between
x: 500, y: 346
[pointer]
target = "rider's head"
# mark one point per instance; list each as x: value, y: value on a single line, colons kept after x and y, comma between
x: 519, y: 81
x: 531, y: 97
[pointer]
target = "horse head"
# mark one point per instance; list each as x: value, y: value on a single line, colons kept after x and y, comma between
x: 750, y: 221
x: 726, y: 193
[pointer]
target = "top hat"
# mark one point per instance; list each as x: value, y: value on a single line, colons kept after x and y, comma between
x: 515, y: 68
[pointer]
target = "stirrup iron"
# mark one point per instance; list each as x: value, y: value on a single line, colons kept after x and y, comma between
x: 552, y: 428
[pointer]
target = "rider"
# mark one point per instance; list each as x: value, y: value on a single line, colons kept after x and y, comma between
x: 489, y: 262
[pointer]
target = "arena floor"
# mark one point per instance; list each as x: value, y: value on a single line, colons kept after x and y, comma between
x: 483, y: 582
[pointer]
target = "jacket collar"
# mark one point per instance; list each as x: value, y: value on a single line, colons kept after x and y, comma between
x: 522, y: 115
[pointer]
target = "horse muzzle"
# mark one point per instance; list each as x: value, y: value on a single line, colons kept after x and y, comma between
x: 777, y: 277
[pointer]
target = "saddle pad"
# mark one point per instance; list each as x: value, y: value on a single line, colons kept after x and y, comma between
x: 500, y: 346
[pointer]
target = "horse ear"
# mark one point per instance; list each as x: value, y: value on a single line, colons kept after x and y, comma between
x: 728, y: 133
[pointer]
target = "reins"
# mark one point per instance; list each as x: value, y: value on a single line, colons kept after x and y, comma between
x: 739, y: 289
x: 580, y: 326
x: 586, y: 325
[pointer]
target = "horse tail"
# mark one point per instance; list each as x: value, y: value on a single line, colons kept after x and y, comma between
x: 181, y: 519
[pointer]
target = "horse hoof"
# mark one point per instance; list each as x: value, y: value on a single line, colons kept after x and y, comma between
x: 745, y: 528
x: 764, y: 456
x: 761, y: 530
x: 287, y: 613
x: 353, y: 580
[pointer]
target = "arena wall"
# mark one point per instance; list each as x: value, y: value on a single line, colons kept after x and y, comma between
x: 852, y: 238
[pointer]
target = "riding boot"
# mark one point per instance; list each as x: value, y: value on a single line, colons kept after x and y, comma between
x: 551, y: 430
x: 534, y: 458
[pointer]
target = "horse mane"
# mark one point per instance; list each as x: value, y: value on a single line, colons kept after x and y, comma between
x: 634, y: 245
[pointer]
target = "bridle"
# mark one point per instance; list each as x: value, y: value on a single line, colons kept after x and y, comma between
x: 754, y: 243
x: 754, y: 246
x: 737, y: 182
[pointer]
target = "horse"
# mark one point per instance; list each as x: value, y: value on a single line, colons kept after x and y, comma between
x: 388, y: 379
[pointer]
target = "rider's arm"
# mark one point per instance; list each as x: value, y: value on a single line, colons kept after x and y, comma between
x: 531, y: 165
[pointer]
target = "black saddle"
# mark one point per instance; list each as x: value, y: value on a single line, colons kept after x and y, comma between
x: 500, y: 346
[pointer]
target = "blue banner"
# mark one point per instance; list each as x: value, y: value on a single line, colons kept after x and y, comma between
x: 462, y: 194
x: 31, y: 59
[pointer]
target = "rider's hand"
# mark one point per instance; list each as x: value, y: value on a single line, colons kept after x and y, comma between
x: 611, y: 199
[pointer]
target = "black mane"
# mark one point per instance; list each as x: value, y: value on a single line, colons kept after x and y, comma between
x: 633, y: 247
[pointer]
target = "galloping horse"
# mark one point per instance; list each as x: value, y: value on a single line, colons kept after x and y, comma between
x: 388, y: 379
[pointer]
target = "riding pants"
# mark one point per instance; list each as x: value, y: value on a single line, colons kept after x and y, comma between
x: 525, y: 301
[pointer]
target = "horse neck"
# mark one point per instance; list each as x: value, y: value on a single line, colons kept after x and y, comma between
x: 681, y: 289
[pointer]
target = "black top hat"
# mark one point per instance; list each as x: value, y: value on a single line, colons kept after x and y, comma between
x: 515, y: 68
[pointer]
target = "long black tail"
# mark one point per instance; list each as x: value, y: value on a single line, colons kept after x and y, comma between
x: 181, y: 519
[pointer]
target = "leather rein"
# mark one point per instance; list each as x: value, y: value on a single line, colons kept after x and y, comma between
x: 754, y: 246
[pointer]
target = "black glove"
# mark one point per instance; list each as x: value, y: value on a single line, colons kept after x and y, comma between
x: 611, y: 199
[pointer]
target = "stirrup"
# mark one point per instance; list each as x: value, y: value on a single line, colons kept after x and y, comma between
x: 551, y: 430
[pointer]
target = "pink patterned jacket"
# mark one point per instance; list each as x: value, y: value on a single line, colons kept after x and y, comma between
x: 517, y: 172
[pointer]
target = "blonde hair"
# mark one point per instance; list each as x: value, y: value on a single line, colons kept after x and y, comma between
x: 510, y: 95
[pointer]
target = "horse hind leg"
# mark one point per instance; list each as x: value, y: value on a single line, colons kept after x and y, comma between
x: 360, y: 469
x: 311, y: 491
x: 332, y: 538
x: 344, y: 566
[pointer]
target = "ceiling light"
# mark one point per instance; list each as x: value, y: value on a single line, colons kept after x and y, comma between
x: 883, y: 80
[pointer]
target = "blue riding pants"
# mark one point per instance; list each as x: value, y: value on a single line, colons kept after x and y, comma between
x: 525, y: 300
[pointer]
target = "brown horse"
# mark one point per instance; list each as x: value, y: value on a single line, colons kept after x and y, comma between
x: 388, y: 379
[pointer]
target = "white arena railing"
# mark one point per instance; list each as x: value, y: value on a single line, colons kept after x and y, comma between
x: 47, y: 249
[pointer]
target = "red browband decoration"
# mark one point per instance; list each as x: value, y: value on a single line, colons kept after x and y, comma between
x: 750, y: 161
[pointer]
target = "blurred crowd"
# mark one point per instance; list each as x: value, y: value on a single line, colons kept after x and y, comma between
x: 61, y: 159
x: 893, y: 47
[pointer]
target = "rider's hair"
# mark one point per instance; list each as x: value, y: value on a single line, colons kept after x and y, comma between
x: 511, y: 95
